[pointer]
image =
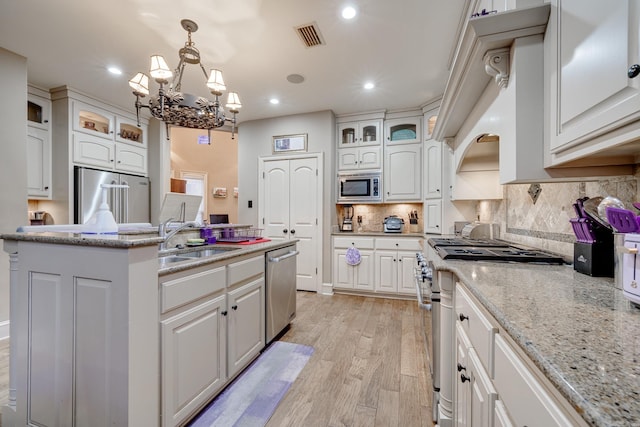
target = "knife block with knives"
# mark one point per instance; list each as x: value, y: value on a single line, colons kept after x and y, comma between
x: 593, y: 250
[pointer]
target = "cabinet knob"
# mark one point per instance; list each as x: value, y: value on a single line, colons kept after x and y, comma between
x: 46, y: 188
x: 45, y: 121
x: 461, y: 368
x: 464, y: 378
x: 633, y: 71
x: 234, y: 307
x: 224, y: 313
x: 285, y: 231
x: 463, y: 317
x: 438, y: 190
x: 293, y: 231
x: 111, y: 160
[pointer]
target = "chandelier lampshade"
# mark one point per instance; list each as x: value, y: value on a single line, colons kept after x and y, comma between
x: 174, y: 107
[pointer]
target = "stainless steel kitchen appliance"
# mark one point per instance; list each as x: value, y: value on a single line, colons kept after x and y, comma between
x: 365, y: 187
x: 428, y: 294
x: 631, y: 267
x: 127, y: 205
x: 280, y: 290
x: 490, y: 250
x: 347, y: 218
x: 393, y: 224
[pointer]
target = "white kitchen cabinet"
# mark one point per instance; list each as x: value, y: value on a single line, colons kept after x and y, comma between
x: 193, y: 358
x: 475, y: 394
x: 357, y: 277
x: 91, y: 150
x: 394, y: 260
x: 369, y: 157
x: 589, y: 48
x: 130, y: 158
x: 365, y: 132
x: 403, y: 130
x: 432, y: 169
x: 403, y: 173
x: 524, y: 397
x: 500, y: 387
x: 38, y: 144
x: 432, y: 216
x: 246, y: 323
x: 430, y: 119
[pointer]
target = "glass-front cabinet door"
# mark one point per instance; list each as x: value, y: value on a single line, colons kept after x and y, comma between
x: 403, y: 130
x: 38, y: 112
x: 92, y: 120
x: 129, y: 132
x: 359, y: 133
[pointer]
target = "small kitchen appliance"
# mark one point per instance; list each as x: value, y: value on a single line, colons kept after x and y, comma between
x: 364, y: 187
x: 393, y: 224
x: 631, y: 267
x: 347, y: 218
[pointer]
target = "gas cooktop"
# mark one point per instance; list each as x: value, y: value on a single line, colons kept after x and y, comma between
x: 490, y: 250
x: 459, y: 241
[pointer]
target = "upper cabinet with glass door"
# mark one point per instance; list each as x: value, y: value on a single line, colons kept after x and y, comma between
x: 93, y: 120
x: 404, y: 130
x: 359, y: 133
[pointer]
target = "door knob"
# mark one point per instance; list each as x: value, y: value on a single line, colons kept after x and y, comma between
x: 285, y: 231
x: 464, y: 378
x: 293, y: 231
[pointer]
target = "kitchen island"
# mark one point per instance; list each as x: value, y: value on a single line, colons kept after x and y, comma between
x: 92, y: 316
x: 579, y: 332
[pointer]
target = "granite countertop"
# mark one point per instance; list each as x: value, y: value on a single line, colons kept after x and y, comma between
x: 104, y: 240
x: 581, y: 331
x: 375, y: 234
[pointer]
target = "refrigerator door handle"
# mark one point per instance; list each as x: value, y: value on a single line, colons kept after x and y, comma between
x: 125, y: 203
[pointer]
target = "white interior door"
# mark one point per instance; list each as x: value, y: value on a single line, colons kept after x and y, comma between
x: 276, y: 200
x: 303, y: 219
x: 291, y: 209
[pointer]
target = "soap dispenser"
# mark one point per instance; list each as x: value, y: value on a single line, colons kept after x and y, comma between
x: 102, y: 221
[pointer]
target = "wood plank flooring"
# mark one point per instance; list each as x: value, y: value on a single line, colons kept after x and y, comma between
x: 368, y: 367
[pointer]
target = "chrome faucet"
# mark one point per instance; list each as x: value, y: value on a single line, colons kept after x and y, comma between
x: 162, y: 230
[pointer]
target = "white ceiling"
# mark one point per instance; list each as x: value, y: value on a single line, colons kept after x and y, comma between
x: 404, y: 46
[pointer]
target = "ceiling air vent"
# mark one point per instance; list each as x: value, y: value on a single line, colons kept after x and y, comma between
x: 310, y: 34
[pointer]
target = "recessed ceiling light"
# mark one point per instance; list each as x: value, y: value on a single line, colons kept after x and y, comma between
x: 348, y: 12
x: 274, y: 101
x: 369, y: 85
x: 115, y: 70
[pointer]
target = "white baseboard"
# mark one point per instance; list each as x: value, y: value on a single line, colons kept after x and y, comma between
x: 327, y: 289
x: 4, y: 330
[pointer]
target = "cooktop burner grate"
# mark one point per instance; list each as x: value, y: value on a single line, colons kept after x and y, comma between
x: 490, y: 250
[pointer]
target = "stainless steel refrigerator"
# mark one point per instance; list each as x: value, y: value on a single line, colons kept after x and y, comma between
x: 127, y: 204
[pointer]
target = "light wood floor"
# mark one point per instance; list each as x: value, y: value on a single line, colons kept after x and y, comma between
x: 368, y: 367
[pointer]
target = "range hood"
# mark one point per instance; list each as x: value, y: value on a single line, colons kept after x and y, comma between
x: 507, y: 48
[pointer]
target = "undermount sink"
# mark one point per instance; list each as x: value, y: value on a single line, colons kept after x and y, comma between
x: 187, y: 256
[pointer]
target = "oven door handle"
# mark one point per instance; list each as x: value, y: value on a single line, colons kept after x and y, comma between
x: 419, y: 295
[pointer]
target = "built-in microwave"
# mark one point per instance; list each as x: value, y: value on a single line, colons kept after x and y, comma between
x: 363, y: 187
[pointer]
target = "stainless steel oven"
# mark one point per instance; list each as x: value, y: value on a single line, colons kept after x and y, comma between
x: 428, y: 295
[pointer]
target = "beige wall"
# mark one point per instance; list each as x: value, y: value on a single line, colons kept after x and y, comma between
x: 219, y: 160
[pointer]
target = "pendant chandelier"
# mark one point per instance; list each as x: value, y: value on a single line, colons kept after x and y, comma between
x: 174, y: 107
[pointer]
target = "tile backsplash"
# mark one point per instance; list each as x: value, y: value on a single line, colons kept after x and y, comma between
x: 545, y: 224
x: 374, y: 215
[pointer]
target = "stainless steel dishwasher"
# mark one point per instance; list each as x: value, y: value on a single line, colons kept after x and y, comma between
x: 280, y: 289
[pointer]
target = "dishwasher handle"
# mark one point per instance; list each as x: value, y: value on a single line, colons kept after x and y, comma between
x: 285, y: 256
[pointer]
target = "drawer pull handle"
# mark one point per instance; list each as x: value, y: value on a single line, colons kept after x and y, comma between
x: 463, y: 317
